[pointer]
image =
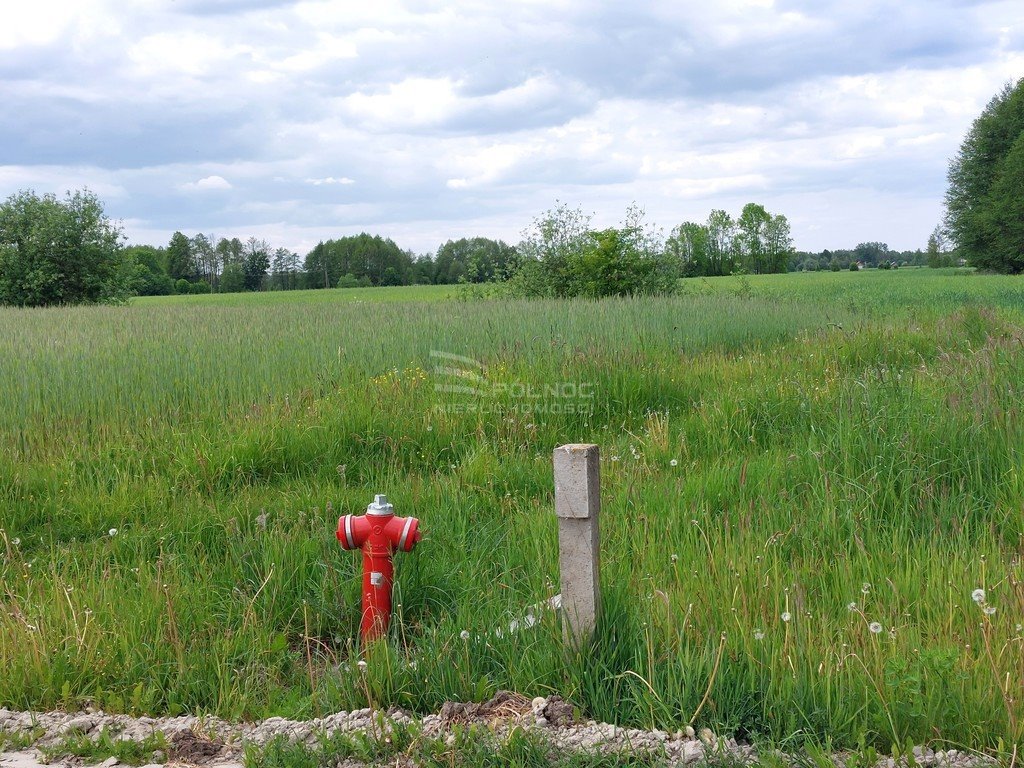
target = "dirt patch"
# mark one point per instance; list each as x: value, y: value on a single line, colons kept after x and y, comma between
x: 559, y: 712
x: 191, y: 747
x: 502, y: 706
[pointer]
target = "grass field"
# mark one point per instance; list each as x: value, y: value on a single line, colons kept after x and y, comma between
x: 805, y: 479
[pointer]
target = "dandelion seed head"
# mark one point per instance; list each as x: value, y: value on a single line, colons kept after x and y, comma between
x: 758, y: 634
x: 875, y: 627
x: 361, y: 664
x: 674, y: 463
x: 989, y: 610
x: 675, y: 558
x: 851, y: 607
x: 978, y: 596
x: 464, y: 634
x: 865, y: 588
x: 112, y: 532
x: 786, y: 616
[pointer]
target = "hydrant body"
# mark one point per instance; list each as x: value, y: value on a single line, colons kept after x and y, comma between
x: 378, y: 534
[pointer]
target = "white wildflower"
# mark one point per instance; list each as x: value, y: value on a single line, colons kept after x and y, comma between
x: 674, y: 463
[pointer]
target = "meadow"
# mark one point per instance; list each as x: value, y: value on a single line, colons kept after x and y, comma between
x: 807, y: 479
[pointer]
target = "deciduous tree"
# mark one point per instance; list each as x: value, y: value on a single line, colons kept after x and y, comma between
x: 985, y: 199
x: 60, y: 251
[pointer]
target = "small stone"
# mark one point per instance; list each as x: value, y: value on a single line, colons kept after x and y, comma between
x: 708, y: 737
x: 110, y: 762
x: 541, y: 720
x: 538, y: 704
x: 689, y: 732
x: 159, y: 756
x: 82, y: 724
x: 692, y: 751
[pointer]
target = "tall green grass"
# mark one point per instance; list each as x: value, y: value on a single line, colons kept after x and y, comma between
x: 171, y: 477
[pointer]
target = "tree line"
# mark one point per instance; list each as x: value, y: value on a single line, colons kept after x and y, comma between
x: 204, y: 264
x: 756, y: 241
x: 56, y: 251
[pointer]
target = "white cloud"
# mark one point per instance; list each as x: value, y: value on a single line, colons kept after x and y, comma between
x: 208, y: 183
x: 330, y: 180
x: 413, y: 102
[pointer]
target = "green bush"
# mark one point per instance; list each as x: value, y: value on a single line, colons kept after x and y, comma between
x: 60, y: 251
x: 563, y: 257
x: 348, y: 281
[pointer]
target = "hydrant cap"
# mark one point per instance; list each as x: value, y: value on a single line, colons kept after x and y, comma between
x: 380, y: 506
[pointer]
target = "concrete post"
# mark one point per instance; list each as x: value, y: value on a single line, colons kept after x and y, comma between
x: 578, y: 507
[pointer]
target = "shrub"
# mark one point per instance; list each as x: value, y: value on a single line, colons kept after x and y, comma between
x: 563, y: 257
x: 348, y: 280
x: 60, y: 251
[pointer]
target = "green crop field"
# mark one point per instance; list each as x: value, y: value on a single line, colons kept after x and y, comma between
x: 805, y: 478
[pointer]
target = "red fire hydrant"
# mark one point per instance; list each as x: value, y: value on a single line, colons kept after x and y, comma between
x: 378, y: 533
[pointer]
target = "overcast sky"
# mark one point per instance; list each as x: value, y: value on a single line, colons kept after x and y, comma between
x: 424, y: 121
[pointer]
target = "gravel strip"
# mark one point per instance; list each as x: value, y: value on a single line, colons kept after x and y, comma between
x: 215, y: 742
